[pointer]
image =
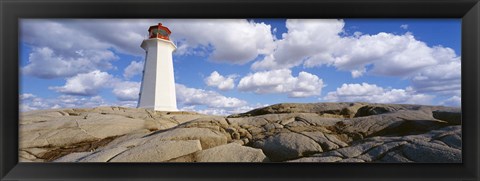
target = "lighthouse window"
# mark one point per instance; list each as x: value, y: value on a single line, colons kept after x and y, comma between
x: 155, y: 31
x: 163, y: 32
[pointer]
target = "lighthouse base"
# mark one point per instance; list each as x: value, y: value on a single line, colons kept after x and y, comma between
x: 168, y: 109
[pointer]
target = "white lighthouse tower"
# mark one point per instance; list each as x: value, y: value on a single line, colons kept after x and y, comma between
x: 157, y: 91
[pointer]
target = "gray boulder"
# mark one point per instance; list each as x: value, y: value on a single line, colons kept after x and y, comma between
x: 452, y: 117
x: 286, y: 146
x: 232, y: 152
x: 158, y: 151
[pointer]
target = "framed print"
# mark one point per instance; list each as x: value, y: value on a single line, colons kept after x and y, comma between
x: 229, y: 90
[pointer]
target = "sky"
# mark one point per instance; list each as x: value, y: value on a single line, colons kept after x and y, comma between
x: 226, y: 66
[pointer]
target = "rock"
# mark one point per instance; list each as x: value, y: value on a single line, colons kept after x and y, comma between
x: 394, y: 157
x: 129, y: 140
x: 334, y: 139
x: 73, y: 157
x: 184, y: 158
x: 356, y: 150
x: 316, y: 120
x: 317, y: 159
x: 272, y: 126
x: 253, y: 121
x: 313, y: 132
x: 452, y: 117
x: 26, y: 155
x: 186, y: 118
x: 334, y: 153
x: 320, y: 138
x: 403, y: 122
x: 37, y: 152
x: 158, y: 151
x: 286, y: 146
x: 68, y: 130
x: 255, y: 130
x: 426, y: 152
x: 374, y: 110
x: 287, y: 121
x: 352, y: 160
x: 206, y: 122
x: 207, y: 137
x: 231, y: 153
x: 295, y: 108
x: 454, y: 141
x: 378, y: 151
x: 104, y: 155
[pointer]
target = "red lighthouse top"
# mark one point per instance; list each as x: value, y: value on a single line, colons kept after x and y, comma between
x: 159, y: 31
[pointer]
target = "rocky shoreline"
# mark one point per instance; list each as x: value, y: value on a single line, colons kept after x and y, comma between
x: 287, y: 132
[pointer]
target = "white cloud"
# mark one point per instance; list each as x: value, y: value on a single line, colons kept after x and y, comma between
x: 282, y: 81
x: 131, y: 104
x: 45, y: 63
x: 135, y: 68
x: 126, y: 90
x: 26, y: 96
x: 86, y: 84
x: 66, y: 47
x: 191, y: 96
x: 305, y: 39
x: 404, y: 26
x: 452, y: 101
x: 63, y: 101
x: 220, y: 82
x: 320, y: 42
x: 372, y: 93
x: 443, y: 79
x: 236, y: 41
x: 314, y: 43
x: 221, y: 111
x: 66, y: 35
x: 90, y: 84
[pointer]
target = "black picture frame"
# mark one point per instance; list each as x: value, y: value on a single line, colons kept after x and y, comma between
x: 12, y: 11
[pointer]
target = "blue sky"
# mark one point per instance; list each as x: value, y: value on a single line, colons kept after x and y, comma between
x: 230, y: 66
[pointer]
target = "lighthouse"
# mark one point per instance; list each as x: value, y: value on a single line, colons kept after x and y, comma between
x: 157, y: 90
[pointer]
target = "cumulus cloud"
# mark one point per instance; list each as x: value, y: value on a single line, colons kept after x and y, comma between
x: 282, y: 81
x: 305, y: 39
x: 222, y: 111
x: 90, y: 84
x: 126, y: 90
x: 375, y: 94
x: 387, y: 54
x: 66, y: 35
x: 442, y: 79
x: 191, y: 97
x: 85, y: 84
x: 313, y: 43
x: 236, y: 41
x: 404, y: 26
x: 134, y: 68
x: 455, y: 101
x: 34, y: 102
x: 45, y: 63
x: 220, y: 82
x: 26, y: 96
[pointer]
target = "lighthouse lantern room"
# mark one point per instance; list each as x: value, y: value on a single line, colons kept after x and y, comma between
x: 157, y: 90
x: 159, y: 31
